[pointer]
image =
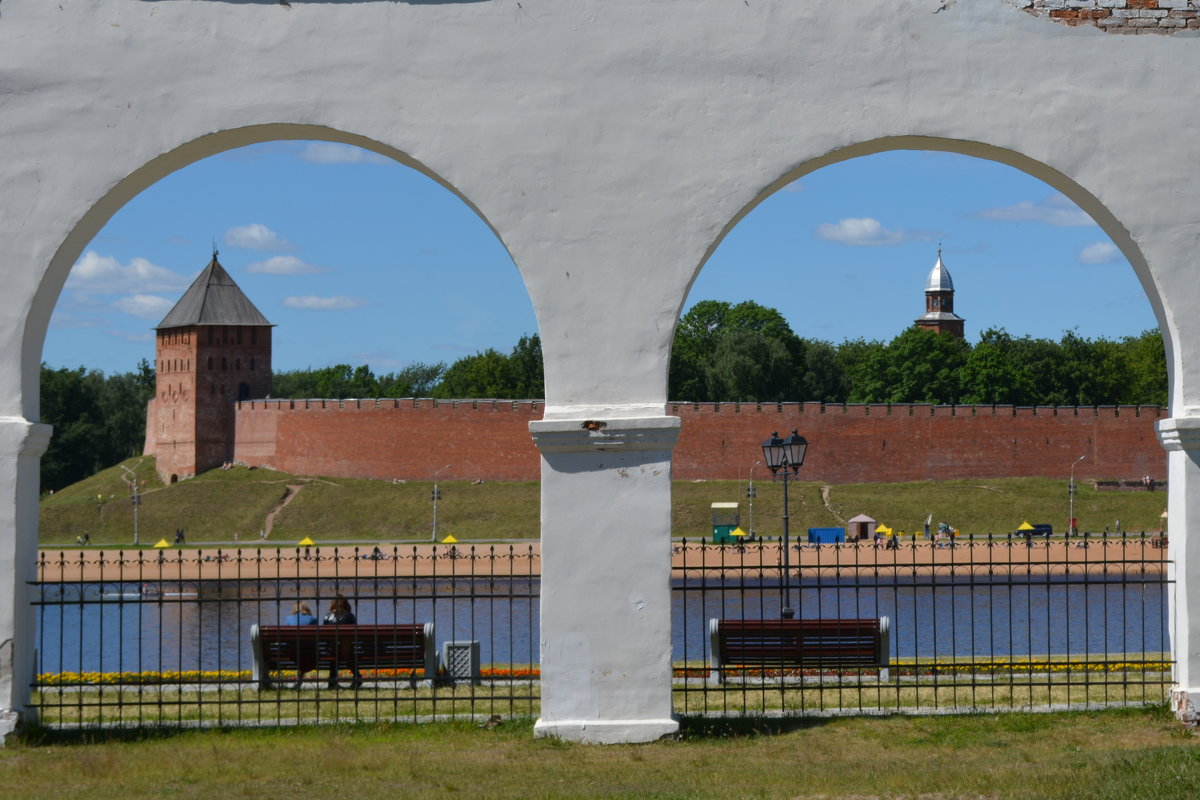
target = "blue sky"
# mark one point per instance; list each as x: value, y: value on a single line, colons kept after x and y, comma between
x: 359, y: 260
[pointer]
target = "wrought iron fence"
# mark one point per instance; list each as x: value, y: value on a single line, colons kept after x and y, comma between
x: 917, y: 626
x: 152, y: 638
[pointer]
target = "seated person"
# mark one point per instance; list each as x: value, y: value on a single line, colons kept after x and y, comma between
x: 301, y: 615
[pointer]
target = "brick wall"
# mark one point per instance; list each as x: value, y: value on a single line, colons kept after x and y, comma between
x: 1119, y: 16
x: 487, y: 440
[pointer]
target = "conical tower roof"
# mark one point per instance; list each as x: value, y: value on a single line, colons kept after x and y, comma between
x: 939, y: 277
x: 213, y: 299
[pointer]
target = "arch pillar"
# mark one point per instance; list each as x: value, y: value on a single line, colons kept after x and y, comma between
x: 1181, y: 438
x: 21, y: 446
x: 606, y: 578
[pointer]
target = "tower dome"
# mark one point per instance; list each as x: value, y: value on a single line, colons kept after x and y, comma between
x: 939, y: 302
x: 939, y: 277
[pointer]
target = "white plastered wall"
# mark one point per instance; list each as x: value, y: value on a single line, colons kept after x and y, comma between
x: 609, y: 143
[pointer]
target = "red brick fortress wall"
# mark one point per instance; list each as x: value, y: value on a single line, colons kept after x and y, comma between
x: 489, y: 440
x: 887, y: 444
x: 388, y: 439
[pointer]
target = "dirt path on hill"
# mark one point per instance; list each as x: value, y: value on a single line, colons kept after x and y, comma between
x: 828, y: 507
x: 293, y: 489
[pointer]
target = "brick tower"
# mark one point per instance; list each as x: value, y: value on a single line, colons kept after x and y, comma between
x: 212, y: 349
x: 939, y: 302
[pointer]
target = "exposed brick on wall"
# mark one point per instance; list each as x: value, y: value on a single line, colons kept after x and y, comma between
x: 1119, y: 16
x: 849, y: 443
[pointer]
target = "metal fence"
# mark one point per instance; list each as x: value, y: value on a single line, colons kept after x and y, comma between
x: 152, y: 638
x: 967, y: 624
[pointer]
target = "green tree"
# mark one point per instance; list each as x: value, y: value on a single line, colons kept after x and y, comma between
x: 97, y: 421
x: 993, y: 372
x: 526, y: 368
x: 485, y: 374
x: 694, y: 373
x: 1147, y: 368
x: 750, y: 366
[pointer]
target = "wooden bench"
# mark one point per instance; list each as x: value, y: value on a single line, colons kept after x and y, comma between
x: 304, y: 648
x: 817, y: 644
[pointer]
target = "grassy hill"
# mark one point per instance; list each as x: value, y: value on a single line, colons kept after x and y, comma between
x: 216, y: 506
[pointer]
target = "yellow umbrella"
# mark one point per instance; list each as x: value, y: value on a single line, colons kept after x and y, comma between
x: 737, y: 532
x: 162, y: 543
x: 306, y: 542
x: 881, y: 528
x: 450, y: 539
x: 1024, y: 526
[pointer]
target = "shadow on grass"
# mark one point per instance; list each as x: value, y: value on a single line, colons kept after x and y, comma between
x: 745, y: 727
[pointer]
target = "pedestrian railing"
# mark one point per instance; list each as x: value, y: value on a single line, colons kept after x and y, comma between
x: 971, y: 624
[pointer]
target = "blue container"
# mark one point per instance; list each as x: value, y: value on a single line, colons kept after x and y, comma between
x: 826, y: 535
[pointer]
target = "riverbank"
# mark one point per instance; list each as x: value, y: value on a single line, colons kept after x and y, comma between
x: 1099, y: 556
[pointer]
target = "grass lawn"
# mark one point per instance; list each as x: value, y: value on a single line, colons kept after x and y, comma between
x: 216, y: 506
x: 1127, y: 753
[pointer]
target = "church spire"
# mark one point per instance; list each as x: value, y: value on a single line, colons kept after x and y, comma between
x: 939, y: 302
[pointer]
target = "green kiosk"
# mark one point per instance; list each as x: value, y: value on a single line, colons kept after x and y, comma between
x: 726, y: 517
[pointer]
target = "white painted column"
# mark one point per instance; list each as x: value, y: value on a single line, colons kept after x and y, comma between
x: 21, y: 446
x: 1181, y: 437
x: 606, y: 578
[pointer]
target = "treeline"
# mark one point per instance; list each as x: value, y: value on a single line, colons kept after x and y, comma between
x: 489, y: 373
x: 98, y: 420
x: 722, y: 352
x: 748, y: 353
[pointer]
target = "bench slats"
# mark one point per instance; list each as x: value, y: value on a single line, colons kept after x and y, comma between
x: 801, y: 643
x: 308, y: 647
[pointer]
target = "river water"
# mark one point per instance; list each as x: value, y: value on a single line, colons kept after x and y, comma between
x: 188, y: 626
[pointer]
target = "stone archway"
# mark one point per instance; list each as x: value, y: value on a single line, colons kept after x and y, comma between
x: 608, y: 145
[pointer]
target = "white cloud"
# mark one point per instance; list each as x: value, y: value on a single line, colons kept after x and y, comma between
x: 255, y: 236
x: 284, y: 265
x: 335, y: 153
x: 1099, y: 253
x: 862, y: 231
x: 336, y: 302
x: 145, y: 306
x: 1056, y: 210
x: 97, y: 274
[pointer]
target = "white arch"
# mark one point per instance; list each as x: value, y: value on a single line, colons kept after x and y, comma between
x: 1056, y: 179
x: 150, y: 173
x: 609, y: 145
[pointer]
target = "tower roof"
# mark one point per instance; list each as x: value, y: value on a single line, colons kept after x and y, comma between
x: 213, y: 299
x: 939, y: 277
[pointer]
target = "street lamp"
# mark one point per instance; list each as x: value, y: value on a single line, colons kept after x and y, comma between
x: 137, y: 501
x: 752, y: 493
x: 1071, y: 501
x: 436, y: 494
x: 784, y: 458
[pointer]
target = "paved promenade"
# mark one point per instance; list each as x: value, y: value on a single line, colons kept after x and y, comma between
x: 1113, y: 556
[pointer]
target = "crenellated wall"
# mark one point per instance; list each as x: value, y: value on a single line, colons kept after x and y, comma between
x: 490, y: 440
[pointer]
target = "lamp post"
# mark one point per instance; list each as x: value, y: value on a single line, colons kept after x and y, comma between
x: 436, y: 494
x: 752, y: 493
x: 1071, y: 499
x: 784, y: 458
x: 137, y: 501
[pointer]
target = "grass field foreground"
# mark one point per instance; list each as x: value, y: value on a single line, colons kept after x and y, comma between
x: 222, y: 504
x: 1127, y: 754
